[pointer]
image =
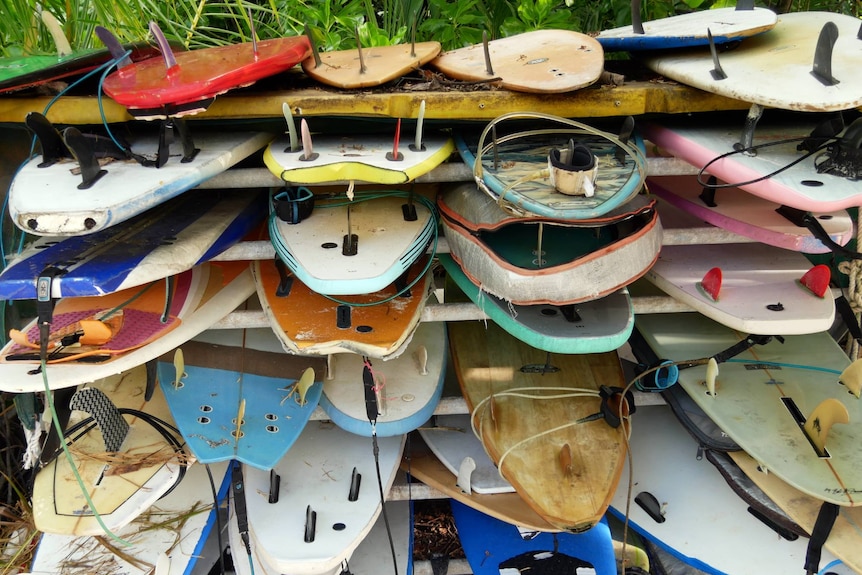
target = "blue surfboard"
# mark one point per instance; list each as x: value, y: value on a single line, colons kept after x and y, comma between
x: 226, y: 373
x: 494, y: 547
x: 161, y: 242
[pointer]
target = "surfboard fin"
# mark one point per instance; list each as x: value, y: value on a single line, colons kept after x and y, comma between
x: 829, y: 412
x: 362, y: 67
x: 56, y: 30
x: 112, y: 424
x: 566, y: 462
x: 717, y: 71
x: 710, y: 285
x: 50, y: 140
x: 85, y: 155
x: 421, y: 356
x: 164, y: 47
x: 851, y: 378
x: 745, y: 5
x: 489, y: 69
x: 114, y: 47
x: 291, y: 128
x: 303, y: 384
x: 308, y: 153
x: 711, y: 376
x: 816, y: 280
x: 179, y: 368
x: 637, y: 21
x: 395, y: 155
x: 822, y: 67
x: 465, y: 474
x: 314, y: 52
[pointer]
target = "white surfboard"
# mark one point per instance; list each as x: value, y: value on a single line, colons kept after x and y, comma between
x: 47, y: 201
x: 175, y: 528
x: 781, y: 61
x: 316, y: 478
x: 407, y: 388
x: 704, y: 522
x: 759, y: 288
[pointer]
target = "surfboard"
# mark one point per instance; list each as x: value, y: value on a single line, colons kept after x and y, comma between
x: 171, y: 534
x: 578, y: 261
x: 493, y: 547
x: 846, y: 534
x: 561, y: 460
x: 48, y: 201
x: 225, y: 373
x: 799, y: 186
x: 593, y: 326
x: 782, y: 61
x: 372, y: 556
x: 125, y: 462
x: 421, y: 463
x: 198, y: 298
x: 376, y: 325
x: 355, y: 246
x: 327, y: 501
x: 748, y: 215
x: 761, y: 393
x: 512, y: 166
x: 758, y: 287
x: 370, y: 158
x: 726, y: 25
x: 167, y: 240
x: 165, y: 85
x: 702, y: 521
x: 541, y: 61
x: 407, y: 388
x: 368, y: 66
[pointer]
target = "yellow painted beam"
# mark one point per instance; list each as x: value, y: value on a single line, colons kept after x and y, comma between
x: 635, y: 98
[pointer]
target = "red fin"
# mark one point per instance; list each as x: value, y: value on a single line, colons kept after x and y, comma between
x: 817, y: 279
x: 711, y: 283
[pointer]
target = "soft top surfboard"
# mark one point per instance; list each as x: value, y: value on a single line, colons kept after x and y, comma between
x: 592, y: 326
x: 782, y: 61
x: 543, y: 61
x: 231, y: 375
x: 751, y: 287
x: 763, y: 396
x: 779, y: 171
x: 370, y: 66
x: 125, y: 460
x: 167, y: 240
x: 536, y: 416
x: 690, y: 29
x: 128, y: 327
x: 171, y: 535
x: 512, y: 167
x: 166, y: 83
x: 48, y: 200
x: 748, y: 215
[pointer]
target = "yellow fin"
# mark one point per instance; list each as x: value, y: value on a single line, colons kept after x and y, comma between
x: 179, y: 367
x: 56, y: 31
x: 851, y: 378
x: 304, y: 383
x: 711, y: 375
x: 818, y: 424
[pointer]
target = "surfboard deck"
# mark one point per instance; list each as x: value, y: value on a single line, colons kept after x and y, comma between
x: 46, y: 201
x: 366, y: 158
x: 384, y: 242
x: 202, y: 74
x: 308, y: 323
x: 165, y: 241
x: 846, y: 534
x: 408, y: 387
x: 511, y: 170
x: 317, y: 472
x: 751, y: 216
x: 422, y: 464
x: 706, y: 524
x: 344, y: 68
x: 493, y: 546
x: 754, y: 276
x: 201, y: 296
x: 755, y: 392
x: 177, y: 526
x: 541, y: 61
x: 781, y: 60
x: 568, y: 476
x: 231, y: 370
x: 690, y: 29
x: 593, y: 326
x: 799, y: 186
x: 579, y: 261
x: 121, y: 485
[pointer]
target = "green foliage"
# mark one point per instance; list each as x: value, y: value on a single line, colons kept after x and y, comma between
x: 538, y: 15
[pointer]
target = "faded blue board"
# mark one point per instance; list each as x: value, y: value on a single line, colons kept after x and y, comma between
x: 493, y: 547
x: 206, y: 403
x: 108, y: 260
x: 597, y: 326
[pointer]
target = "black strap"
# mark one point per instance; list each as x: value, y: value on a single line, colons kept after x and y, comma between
x: 807, y: 220
x: 822, y: 527
x: 371, y: 407
x: 237, y: 485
